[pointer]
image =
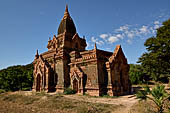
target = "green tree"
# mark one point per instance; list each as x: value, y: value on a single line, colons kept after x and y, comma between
x: 16, y: 78
x: 158, y: 95
x: 156, y: 61
x: 137, y: 75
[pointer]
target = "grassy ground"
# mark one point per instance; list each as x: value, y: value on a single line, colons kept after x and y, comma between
x: 21, y: 102
x: 43, y: 103
x: 148, y: 107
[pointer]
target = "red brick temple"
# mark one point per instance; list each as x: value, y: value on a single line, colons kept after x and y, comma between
x: 68, y: 64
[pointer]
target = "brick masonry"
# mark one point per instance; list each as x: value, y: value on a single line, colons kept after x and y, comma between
x: 68, y: 64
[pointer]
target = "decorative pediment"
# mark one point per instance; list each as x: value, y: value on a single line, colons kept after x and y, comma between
x: 40, y: 66
x: 75, y: 72
x: 75, y: 37
x: 117, y: 57
x: 79, y: 43
x: 117, y: 54
x: 52, y: 44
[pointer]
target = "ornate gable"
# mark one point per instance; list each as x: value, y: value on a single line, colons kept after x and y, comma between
x: 52, y: 44
x: 76, y: 73
x: 117, y: 54
x: 77, y: 42
x: 40, y: 66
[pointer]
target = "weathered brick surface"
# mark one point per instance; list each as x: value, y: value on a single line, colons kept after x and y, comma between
x: 68, y: 64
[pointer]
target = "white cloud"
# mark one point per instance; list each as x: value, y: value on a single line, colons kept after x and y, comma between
x: 100, y: 42
x: 156, y: 22
x: 88, y: 44
x: 143, y: 29
x: 93, y: 39
x: 130, y: 35
x: 122, y: 28
x: 112, y: 39
x: 120, y: 36
x: 104, y: 36
x: 156, y: 26
x: 108, y: 38
x: 152, y: 30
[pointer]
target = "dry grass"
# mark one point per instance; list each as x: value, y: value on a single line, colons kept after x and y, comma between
x: 21, y: 102
x: 44, y: 103
x: 148, y: 107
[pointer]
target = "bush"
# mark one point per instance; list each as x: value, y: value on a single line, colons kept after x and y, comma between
x: 158, y: 95
x: 26, y: 89
x: 69, y: 90
x: 2, y: 91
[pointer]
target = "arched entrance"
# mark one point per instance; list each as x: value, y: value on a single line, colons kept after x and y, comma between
x: 38, y: 83
x: 76, y: 77
x: 75, y: 85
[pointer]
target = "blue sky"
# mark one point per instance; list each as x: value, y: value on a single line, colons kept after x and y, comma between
x: 26, y: 25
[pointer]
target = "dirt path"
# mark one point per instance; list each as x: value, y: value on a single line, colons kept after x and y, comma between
x: 126, y: 101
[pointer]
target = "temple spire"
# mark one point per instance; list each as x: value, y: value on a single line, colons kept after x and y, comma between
x: 66, y: 13
x: 37, y: 55
x: 95, y: 46
x: 67, y: 24
x: 37, y: 52
x: 66, y: 10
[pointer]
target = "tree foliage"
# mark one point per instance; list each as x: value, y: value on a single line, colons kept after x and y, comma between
x: 16, y: 78
x: 158, y: 95
x: 156, y: 61
x: 137, y: 75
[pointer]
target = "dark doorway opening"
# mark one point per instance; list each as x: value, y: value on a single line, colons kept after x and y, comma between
x: 75, y: 85
x: 38, y: 83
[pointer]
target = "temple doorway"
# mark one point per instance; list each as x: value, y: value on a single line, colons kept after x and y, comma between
x: 75, y: 85
x: 38, y: 83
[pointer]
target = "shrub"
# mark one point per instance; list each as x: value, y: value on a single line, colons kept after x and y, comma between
x: 69, y: 90
x: 2, y: 91
x: 158, y: 95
